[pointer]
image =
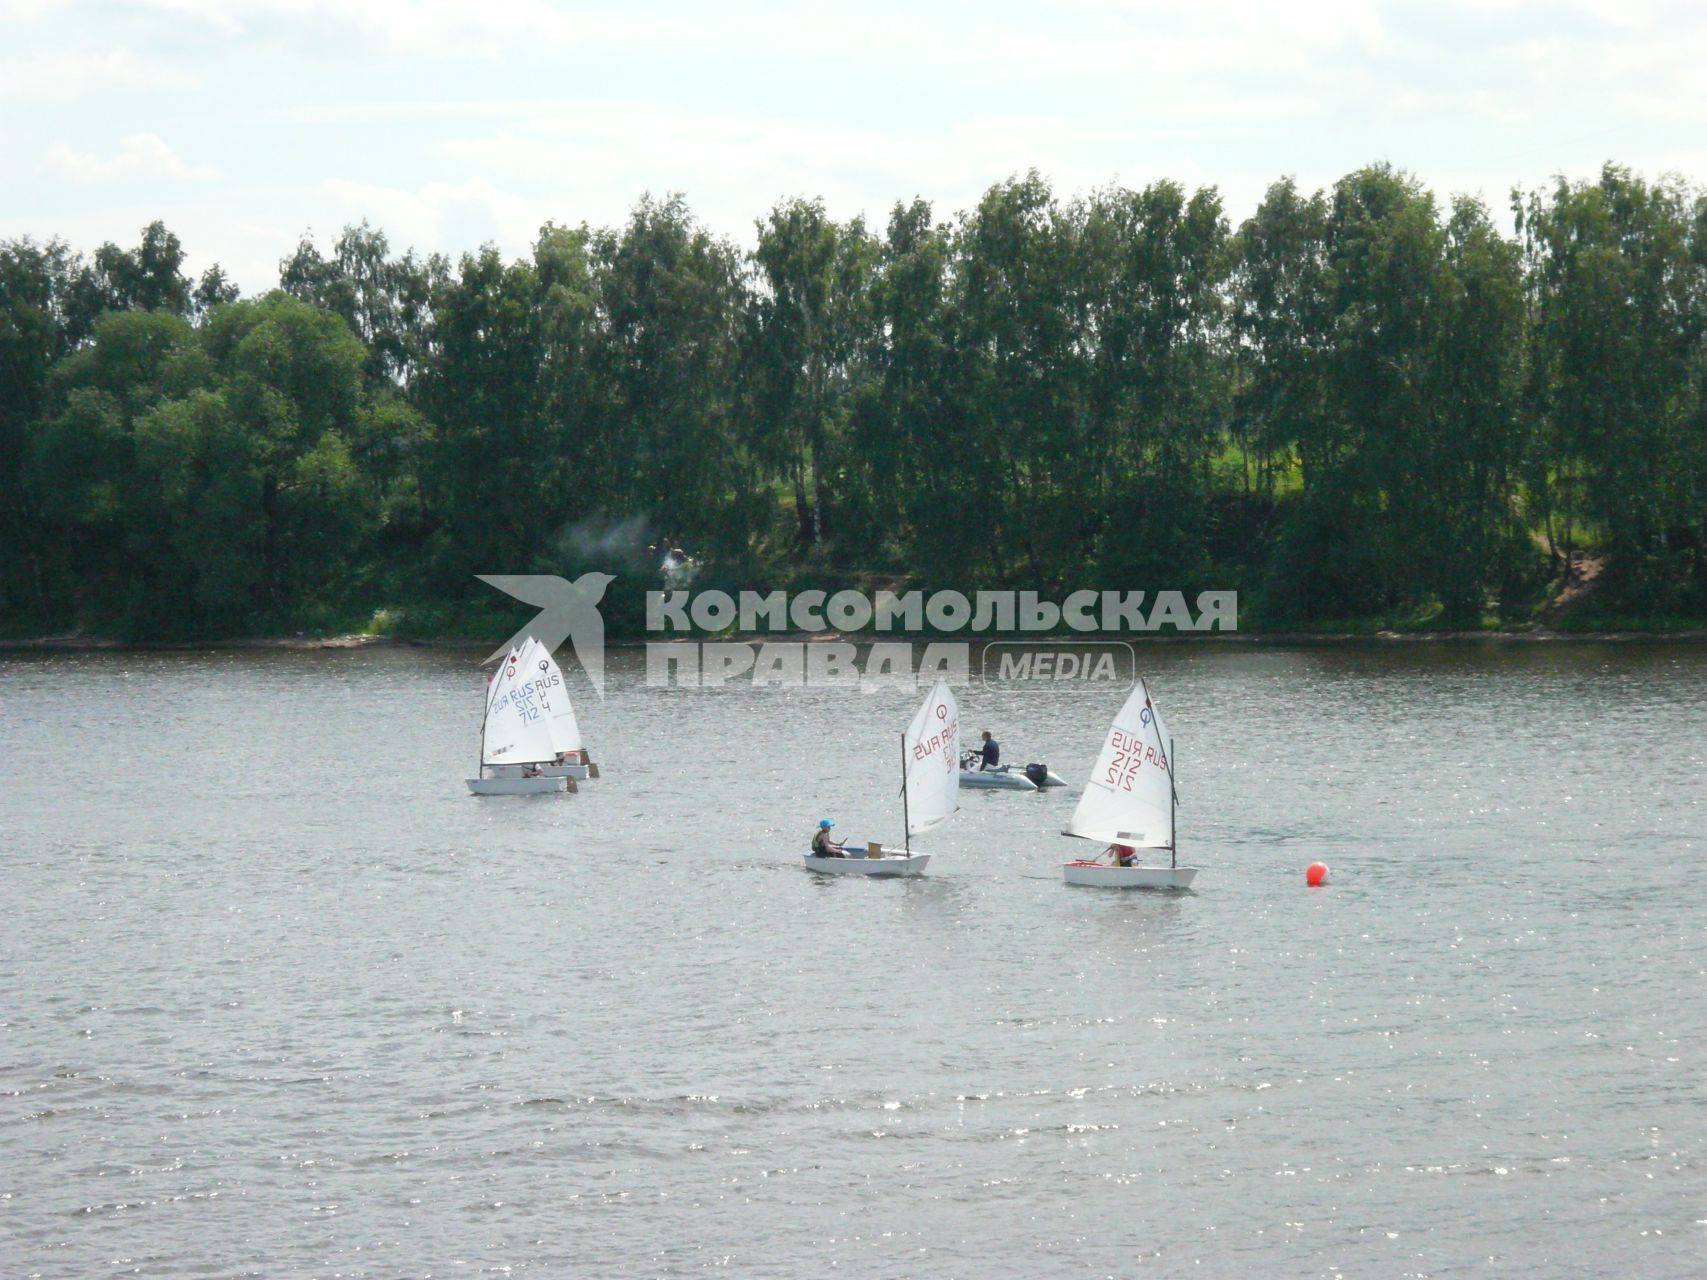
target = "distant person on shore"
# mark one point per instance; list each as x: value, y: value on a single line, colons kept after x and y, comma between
x: 822, y: 845
x: 678, y: 567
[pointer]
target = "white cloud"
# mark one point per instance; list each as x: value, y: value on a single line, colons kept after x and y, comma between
x: 450, y: 122
x: 68, y: 76
x: 140, y: 155
x: 221, y: 16
x: 453, y: 216
x: 448, y: 27
x: 29, y: 10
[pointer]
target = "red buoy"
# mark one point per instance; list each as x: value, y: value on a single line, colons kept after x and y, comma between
x: 1316, y: 874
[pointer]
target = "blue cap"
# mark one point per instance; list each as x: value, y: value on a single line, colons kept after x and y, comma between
x: 825, y: 822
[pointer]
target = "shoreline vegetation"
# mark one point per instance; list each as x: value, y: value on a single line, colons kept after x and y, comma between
x: 1366, y: 410
x: 71, y: 644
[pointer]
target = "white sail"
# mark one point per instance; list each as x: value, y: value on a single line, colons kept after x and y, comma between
x: 496, y: 684
x: 1164, y: 739
x: 931, y: 749
x: 517, y: 731
x: 1129, y: 797
x: 554, y: 693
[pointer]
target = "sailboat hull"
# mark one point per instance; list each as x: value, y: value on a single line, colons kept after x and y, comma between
x: 519, y: 786
x: 863, y: 865
x: 1101, y: 875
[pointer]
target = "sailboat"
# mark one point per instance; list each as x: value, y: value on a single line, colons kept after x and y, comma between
x: 516, y: 733
x: 1130, y: 799
x: 930, y: 790
x: 560, y: 719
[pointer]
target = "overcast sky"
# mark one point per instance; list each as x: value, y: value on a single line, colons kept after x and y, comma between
x: 244, y: 123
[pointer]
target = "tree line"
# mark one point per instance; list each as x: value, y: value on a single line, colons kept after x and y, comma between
x: 1355, y: 407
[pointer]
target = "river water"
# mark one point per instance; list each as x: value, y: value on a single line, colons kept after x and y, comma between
x: 277, y: 997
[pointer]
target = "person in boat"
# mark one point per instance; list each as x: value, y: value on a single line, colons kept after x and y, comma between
x: 1124, y: 855
x: 990, y: 754
x: 822, y: 845
x: 530, y: 771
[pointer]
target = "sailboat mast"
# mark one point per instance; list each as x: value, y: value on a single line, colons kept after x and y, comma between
x: 906, y: 817
x: 485, y: 710
x: 1173, y: 791
x: 1173, y: 808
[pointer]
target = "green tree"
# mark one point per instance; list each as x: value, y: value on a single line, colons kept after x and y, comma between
x: 1020, y: 325
x: 149, y: 277
x: 1618, y: 286
x: 1155, y: 272
x: 386, y: 300
x: 1281, y: 332
x: 492, y: 466
x: 813, y: 326
x: 35, y: 332
x: 672, y: 303
x: 913, y: 430
x: 1462, y: 505
x: 202, y: 479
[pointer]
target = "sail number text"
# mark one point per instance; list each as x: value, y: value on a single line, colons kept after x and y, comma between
x: 1130, y: 755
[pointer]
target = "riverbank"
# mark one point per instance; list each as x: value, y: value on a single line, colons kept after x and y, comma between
x: 300, y: 643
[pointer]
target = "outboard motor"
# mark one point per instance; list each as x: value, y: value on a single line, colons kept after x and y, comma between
x: 1037, y: 772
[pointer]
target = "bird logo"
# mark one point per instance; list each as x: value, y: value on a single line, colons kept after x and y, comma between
x: 567, y: 611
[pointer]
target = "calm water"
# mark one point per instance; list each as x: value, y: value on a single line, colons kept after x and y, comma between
x: 278, y: 997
